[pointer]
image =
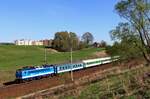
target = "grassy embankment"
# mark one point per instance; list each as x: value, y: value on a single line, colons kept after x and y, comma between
x: 14, y: 57
x: 132, y: 84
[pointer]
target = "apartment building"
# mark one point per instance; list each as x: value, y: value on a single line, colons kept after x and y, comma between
x: 33, y: 42
x: 23, y: 42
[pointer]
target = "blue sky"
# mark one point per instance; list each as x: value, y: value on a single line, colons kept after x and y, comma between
x: 40, y: 19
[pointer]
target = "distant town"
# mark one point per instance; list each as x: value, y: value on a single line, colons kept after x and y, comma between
x: 45, y: 42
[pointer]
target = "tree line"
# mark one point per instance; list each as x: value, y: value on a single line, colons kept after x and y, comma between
x: 132, y: 37
x: 64, y: 41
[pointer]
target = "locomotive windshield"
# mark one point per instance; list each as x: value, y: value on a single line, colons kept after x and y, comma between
x: 18, y: 74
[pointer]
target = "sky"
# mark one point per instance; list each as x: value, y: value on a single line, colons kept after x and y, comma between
x: 41, y: 19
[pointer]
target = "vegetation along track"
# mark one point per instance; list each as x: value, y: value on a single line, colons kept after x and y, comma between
x: 29, y: 87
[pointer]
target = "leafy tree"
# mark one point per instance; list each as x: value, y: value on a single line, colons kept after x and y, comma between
x: 82, y: 45
x: 74, y: 41
x: 103, y: 43
x: 63, y: 41
x: 113, y: 50
x: 137, y: 13
x: 87, y: 38
x: 127, y: 42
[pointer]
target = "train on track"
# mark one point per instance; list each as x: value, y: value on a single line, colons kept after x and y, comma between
x: 31, y: 73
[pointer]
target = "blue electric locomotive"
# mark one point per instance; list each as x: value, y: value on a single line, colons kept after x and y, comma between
x: 35, y: 72
x: 46, y: 70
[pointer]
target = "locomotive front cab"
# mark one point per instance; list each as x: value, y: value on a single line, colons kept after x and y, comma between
x: 18, y: 74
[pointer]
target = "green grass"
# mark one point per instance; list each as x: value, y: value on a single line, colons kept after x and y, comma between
x: 15, y: 57
x: 12, y: 57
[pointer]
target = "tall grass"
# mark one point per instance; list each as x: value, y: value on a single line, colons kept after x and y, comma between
x: 127, y: 85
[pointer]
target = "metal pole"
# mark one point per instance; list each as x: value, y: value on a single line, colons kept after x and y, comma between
x: 71, y: 65
x: 71, y: 56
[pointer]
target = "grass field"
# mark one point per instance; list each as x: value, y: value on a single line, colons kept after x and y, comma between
x: 14, y: 57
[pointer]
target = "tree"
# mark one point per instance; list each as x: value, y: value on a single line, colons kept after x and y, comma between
x: 137, y: 13
x: 74, y: 40
x: 103, y: 43
x: 64, y: 40
x: 81, y: 45
x: 87, y: 38
x: 113, y: 50
x: 127, y: 42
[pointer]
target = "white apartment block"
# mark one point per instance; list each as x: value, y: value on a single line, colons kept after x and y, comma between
x: 23, y: 42
x: 28, y: 42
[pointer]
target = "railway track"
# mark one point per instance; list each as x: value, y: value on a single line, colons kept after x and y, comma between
x: 15, y: 90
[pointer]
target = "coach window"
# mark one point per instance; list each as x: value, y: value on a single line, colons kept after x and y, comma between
x: 63, y: 67
x: 60, y: 68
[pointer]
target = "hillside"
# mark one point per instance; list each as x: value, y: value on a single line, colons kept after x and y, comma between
x: 14, y: 57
